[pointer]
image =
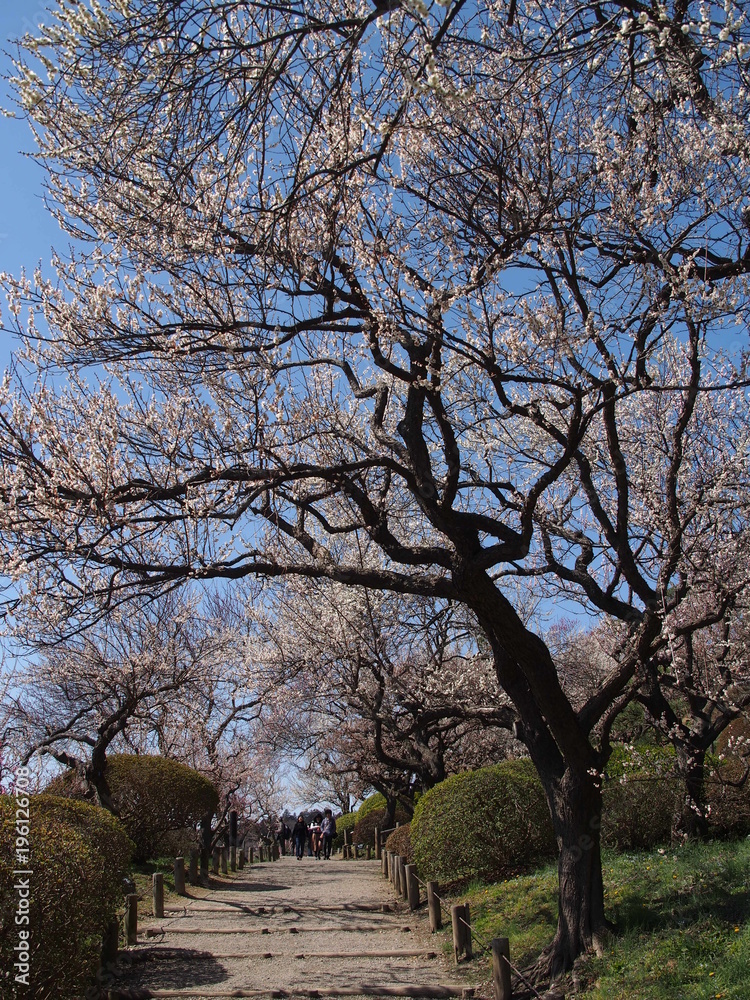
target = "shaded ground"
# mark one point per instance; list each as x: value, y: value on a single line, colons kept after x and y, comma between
x: 289, y: 927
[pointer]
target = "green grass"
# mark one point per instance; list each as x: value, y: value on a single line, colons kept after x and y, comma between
x: 682, y: 917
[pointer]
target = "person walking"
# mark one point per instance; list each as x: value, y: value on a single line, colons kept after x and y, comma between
x: 282, y: 835
x: 315, y: 836
x: 299, y: 836
x: 328, y: 832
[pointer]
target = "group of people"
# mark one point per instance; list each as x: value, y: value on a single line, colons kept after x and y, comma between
x: 317, y: 837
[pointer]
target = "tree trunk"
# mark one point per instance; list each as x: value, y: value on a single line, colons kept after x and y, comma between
x: 575, y: 805
x: 690, y: 821
x: 568, y: 767
x: 390, y: 812
x: 206, y: 832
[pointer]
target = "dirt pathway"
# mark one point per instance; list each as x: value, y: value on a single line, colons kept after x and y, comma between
x: 290, y: 928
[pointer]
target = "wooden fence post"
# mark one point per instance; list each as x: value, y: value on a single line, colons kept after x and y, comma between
x: 433, y: 907
x: 193, y: 872
x: 404, y: 880
x: 131, y: 918
x: 215, y: 861
x: 397, y: 874
x: 110, y: 940
x: 501, y: 968
x: 250, y: 855
x: 457, y: 912
x: 468, y: 945
x: 157, y: 906
x: 179, y: 876
x: 412, y: 886
x: 223, y: 855
x: 233, y: 858
x: 378, y: 845
x: 241, y: 858
x: 384, y: 863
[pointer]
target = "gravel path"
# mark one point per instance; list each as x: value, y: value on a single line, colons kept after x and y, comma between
x: 289, y: 928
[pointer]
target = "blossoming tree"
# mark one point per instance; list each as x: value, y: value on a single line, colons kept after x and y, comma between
x: 408, y: 296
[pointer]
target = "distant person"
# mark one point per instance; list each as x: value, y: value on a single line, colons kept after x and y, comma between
x: 315, y: 836
x: 282, y: 836
x: 327, y: 832
x: 299, y: 836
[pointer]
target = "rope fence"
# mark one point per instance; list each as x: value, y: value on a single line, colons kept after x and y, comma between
x: 464, y: 933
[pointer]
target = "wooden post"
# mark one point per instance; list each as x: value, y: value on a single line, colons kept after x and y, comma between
x: 457, y: 912
x: 412, y: 886
x: 179, y: 876
x: 233, y: 858
x: 501, y: 968
x: 250, y: 855
x: 158, y: 894
x: 131, y: 918
x: 241, y: 859
x: 404, y: 881
x: 398, y: 875
x: 433, y: 907
x: 223, y: 861
x: 193, y: 872
x: 368, y: 853
x: 204, y: 865
x: 378, y: 845
x: 276, y: 852
x: 384, y: 863
x: 110, y: 941
x: 468, y: 945
x: 215, y: 861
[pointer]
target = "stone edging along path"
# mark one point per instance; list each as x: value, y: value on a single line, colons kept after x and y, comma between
x: 285, y: 929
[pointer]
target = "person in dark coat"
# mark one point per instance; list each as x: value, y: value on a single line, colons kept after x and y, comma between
x: 299, y: 836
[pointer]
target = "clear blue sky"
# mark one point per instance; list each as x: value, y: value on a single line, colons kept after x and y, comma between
x: 27, y: 231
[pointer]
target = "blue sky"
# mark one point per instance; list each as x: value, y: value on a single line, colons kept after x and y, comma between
x: 27, y: 231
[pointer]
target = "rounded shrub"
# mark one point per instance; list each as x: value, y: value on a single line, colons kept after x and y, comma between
x: 372, y: 802
x: 400, y: 842
x: 639, y: 797
x: 364, y: 829
x: 482, y: 824
x: 344, y: 824
x: 155, y: 795
x: 79, y: 855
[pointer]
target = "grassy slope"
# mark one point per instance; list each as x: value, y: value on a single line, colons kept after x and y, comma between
x: 682, y: 916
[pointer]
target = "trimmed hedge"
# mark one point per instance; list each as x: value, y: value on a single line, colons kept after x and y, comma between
x: 483, y: 824
x: 364, y: 829
x: 639, y: 797
x: 344, y: 824
x: 374, y: 801
x: 400, y: 842
x: 152, y: 796
x: 79, y: 857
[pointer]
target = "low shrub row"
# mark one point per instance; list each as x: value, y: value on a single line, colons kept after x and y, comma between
x: 482, y: 824
x: 494, y: 822
x: 79, y: 855
x: 155, y: 797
